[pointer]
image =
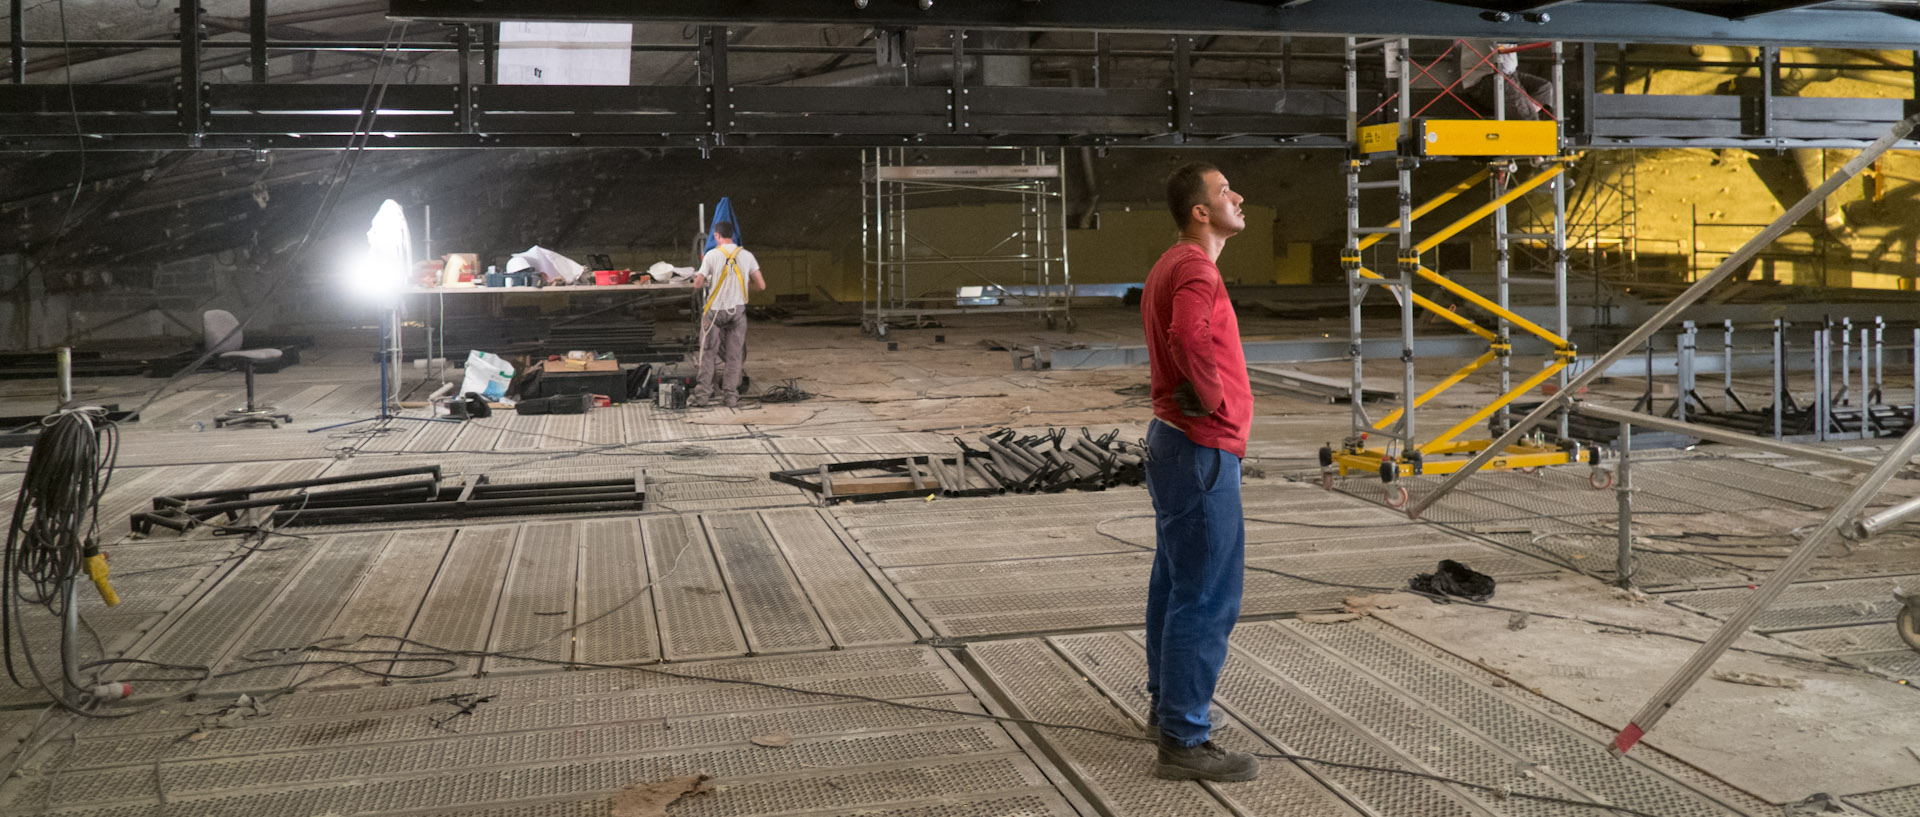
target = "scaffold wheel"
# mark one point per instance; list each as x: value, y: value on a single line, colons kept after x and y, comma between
x: 1396, y: 496
x: 1326, y: 480
x: 1909, y: 627
x: 1600, y: 479
x: 1530, y: 470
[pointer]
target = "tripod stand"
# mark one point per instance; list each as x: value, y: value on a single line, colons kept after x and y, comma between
x: 389, y: 359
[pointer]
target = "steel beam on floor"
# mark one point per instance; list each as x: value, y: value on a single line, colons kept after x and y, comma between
x: 1721, y: 435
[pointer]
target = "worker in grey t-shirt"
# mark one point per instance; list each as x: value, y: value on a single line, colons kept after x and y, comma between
x: 723, y: 318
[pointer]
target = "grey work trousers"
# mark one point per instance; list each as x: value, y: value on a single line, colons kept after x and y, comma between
x: 723, y: 337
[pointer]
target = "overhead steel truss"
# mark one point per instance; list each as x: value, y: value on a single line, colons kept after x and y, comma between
x: 1863, y: 25
x: 189, y: 112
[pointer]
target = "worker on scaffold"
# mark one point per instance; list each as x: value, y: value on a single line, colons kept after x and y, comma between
x: 1202, y: 409
x: 723, y: 316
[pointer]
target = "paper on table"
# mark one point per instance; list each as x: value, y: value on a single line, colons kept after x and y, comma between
x: 549, y: 263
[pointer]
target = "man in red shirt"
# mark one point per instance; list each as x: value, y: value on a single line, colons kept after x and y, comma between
x: 1202, y: 409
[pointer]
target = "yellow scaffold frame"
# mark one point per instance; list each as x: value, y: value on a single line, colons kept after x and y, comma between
x: 1358, y: 453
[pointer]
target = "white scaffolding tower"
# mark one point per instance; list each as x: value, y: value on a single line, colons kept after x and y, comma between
x: 905, y: 278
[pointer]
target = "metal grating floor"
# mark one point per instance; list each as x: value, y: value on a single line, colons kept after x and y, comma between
x: 1357, y: 694
x: 1081, y: 561
x: 1040, y: 685
x: 1807, y: 605
x: 730, y: 575
x: 563, y: 743
x: 1901, y: 802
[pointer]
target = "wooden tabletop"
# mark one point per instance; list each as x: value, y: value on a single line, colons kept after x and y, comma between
x: 554, y: 290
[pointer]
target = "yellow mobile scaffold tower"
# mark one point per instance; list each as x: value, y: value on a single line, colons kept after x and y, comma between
x: 1523, y: 156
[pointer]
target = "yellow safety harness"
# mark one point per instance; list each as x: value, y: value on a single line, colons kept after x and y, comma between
x: 733, y: 266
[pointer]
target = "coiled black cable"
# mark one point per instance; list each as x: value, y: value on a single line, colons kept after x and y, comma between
x: 56, y: 519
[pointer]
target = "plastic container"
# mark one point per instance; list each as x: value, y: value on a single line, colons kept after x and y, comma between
x: 509, y: 279
x: 611, y: 277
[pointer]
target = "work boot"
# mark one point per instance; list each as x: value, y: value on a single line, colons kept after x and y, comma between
x: 1215, y: 717
x: 697, y: 402
x: 1204, y: 762
x: 731, y: 401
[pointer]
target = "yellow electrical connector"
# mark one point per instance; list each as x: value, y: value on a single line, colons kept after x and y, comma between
x: 97, y: 568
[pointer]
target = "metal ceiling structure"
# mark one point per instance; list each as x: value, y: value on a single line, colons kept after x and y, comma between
x: 1836, y: 23
x: 936, y: 96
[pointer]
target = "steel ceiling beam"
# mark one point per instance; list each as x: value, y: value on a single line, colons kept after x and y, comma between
x: 1516, y: 6
x: 1601, y: 21
x: 1749, y: 11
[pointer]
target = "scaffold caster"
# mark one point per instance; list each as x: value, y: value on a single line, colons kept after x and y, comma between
x: 1326, y: 467
x: 1070, y: 324
x: 1600, y: 478
x: 1908, y: 622
x: 1530, y: 470
x: 1050, y: 321
x: 1396, y: 496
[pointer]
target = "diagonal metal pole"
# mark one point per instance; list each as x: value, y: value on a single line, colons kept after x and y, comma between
x: 1841, y: 518
x: 1667, y: 313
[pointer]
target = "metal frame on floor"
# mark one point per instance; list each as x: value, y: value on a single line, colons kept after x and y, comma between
x: 1409, y: 140
x: 1821, y: 412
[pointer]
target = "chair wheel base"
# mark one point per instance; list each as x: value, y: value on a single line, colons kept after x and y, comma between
x: 244, y: 417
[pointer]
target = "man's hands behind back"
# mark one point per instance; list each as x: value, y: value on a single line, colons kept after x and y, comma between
x: 1189, y: 401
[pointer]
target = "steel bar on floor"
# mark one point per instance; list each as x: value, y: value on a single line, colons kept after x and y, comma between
x: 1721, y: 435
x: 1876, y: 524
x: 1736, y: 624
x: 1667, y: 313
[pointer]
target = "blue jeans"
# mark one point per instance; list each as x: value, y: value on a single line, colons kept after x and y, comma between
x: 1199, y: 558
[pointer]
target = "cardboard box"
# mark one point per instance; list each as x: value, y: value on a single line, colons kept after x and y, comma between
x: 572, y: 366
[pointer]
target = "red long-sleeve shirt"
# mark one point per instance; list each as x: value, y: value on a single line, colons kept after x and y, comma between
x: 1194, y: 337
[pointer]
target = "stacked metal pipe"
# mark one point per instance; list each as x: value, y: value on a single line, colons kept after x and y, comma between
x: 1054, y: 461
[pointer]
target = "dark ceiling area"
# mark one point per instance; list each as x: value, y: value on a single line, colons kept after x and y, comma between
x: 1839, y: 23
x: 1091, y: 76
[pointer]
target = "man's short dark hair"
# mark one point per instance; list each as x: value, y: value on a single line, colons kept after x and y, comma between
x: 724, y: 229
x: 1186, y: 188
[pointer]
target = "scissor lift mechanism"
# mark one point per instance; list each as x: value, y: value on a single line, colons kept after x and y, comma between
x: 1389, y: 446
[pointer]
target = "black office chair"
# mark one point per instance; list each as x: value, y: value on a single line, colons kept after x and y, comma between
x: 221, y: 332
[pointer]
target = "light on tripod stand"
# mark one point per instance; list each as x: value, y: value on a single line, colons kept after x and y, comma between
x: 381, y: 277
x: 382, y: 274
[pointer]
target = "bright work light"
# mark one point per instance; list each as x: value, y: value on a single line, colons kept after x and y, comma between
x: 383, y: 274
